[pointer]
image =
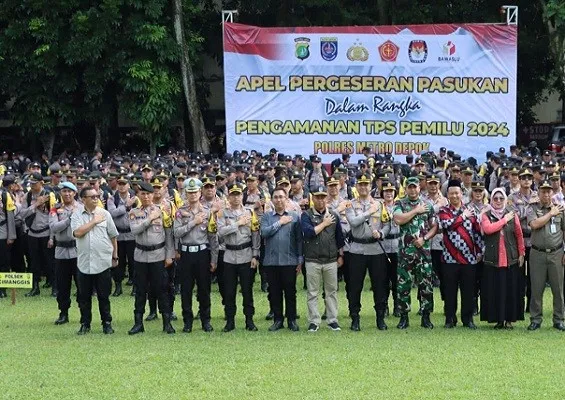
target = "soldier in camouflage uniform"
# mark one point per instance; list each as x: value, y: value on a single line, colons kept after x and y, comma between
x: 417, y: 226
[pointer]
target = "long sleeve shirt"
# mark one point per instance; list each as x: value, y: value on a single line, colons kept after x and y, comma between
x: 283, y: 243
x: 462, y: 239
x: 151, y: 233
x: 234, y: 234
x: 60, y: 225
x: 492, y: 227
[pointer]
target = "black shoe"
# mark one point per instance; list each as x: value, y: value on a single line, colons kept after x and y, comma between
x: 396, y: 312
x: 270, y: 316
x: 334, y: 326
x: 187, y: 328
x: 174, y: 316
x: 560, y: 326
x: 293, y: 326
x: 449, y: 325
x: 404, y: 321
x: 264, y: 287
x: 470, y: 325
x: 426, y: 323
x: 276, y: 326
x: 138, y: 325
x: 499, y: 325
x: 381, y: 325
x: 107, y: 328
x: 534, y: 326
x: 118, y: 291
x: 355, y: 324
x: 167, y: 327
x: 3, y: 293
x: 84, y: 329
x: 313, y: 328
x: 54, y: 293
x: 129, y: 282
x: 152, y: 316
x: 33, y: 292
x: 207, y: 327
x: 250, y: 325
x: 230, y: 325
x: 46, y: 285
x: 63, y: 319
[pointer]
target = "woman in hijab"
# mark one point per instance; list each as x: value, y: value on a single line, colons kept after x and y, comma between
x: 501, y: 302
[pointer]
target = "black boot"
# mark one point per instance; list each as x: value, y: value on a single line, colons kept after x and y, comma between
x: 34, y: 290
x: 129, y: 282
x: 426, y: 323
x: 270, y: 315
x: 167, y: 327
x: 138, y: 325
x: 118, y: 291
x: 47, y: 285
x: 396, y: 312
x: 230, y: 325
x: 152, y: 315
x: 355, y: 323
x: 107, y: 328
x: 63, y: 318
x: 250, y: 325
x: 54, y: 292
x: 3, y: 293
x: 404, y: 321
x: 187, y: 328
x: 206, y: 326
x: 381, y: 325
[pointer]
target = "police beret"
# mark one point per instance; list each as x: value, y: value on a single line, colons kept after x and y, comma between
x: 145, y: 187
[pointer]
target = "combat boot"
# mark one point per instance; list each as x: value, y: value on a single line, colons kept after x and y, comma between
x: 63, y: 318
x: 230, y: 325
x: 355, y: 323
x: 404, y: 322
x: 118, y: 291
x: 152, y: 315
x: 167, y: 327
x: 381, y: 325
x: 34, y: 290
x: 250, y: 325
x: 138, y: 324
x: 426, y: 323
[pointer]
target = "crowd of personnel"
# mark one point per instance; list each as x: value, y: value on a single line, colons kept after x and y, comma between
x: 177, y: 223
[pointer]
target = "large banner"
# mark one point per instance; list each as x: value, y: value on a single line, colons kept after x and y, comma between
x: 398, y: 89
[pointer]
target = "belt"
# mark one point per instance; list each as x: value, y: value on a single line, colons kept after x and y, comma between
x: 193, y: 248
x: 66, y: 243
x: 150, y: 248
x: 547, y: 250
x: 393, y: 236
x: 363, y: 241
x: 38, y: 231
x: 123, y: 230
x: 238, y: 246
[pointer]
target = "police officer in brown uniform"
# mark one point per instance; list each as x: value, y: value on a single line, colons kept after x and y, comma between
x: 7, y: 231
x: 239, y: 228
x: 154, y: 252
x: 547, y: 221
x: 195, y: 232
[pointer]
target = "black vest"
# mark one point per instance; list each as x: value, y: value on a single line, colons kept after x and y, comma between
x: 492, y: 244
x: 323, y: 247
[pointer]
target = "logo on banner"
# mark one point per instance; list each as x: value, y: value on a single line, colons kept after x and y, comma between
x: 302, y: 50
x: 388, y: 51
x: 418, y: 51
x: 357, y: 52
x: 449, y: 50
x: 328, y: 48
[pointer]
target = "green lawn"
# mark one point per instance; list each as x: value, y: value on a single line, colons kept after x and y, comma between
x: 39, y: 360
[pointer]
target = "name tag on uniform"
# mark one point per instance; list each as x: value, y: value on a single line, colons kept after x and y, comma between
x: 552, y: 228
x: 183, y: 247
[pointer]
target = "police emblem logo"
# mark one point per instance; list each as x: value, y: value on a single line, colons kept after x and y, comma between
x: 388, y: 51
x: 192, y: 183
x: 302, y: 48
x: 328, y: 48
x: 418, y: 51
x: 357, y: 52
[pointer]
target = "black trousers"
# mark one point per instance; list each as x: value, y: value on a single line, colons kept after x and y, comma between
x: 102, y: 282
x: 392, y: 277
x: 438, y: 270
x: 459, y: 276
x: 41, y: 258
x: 282, y: 282
x: 152, y: 278
x: 231, y: 274
x: 17, y: 261
x: 4, y: 256
x: 66, y: 272
x: 345, y: 271
x: 358, y: 267
x: 195, y: 268
x: 527, y: 280
x: 220, y: 276
x: 126, y: 249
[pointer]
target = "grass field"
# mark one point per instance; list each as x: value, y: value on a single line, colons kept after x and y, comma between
x: 39, y: 360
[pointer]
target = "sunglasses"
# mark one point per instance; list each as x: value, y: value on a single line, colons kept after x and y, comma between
x: 93, y: 197
x: 497, y: 198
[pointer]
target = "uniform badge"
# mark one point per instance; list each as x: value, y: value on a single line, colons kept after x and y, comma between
x: 302, y: 46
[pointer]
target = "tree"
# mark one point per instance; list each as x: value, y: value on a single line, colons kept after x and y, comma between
x: 554, y: 17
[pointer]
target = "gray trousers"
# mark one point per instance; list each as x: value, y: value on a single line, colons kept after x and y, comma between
x: 317, y: 273
x: 546, y: 267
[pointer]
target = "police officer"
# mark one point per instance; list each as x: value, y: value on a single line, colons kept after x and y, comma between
x: 369, y: 223
x: 195, y: 231
x: 154, y: 252
x: 546, y: 257
x: 239, y: 227
x: 417, y: 226
x: 7, y: 232
x: 390, y: 244
x: 65, y: 248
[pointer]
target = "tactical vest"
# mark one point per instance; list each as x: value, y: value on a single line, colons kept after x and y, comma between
x: 492, y: 243
x: 323, y: 247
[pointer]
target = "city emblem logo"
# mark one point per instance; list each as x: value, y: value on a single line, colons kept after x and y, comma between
x: 418, y: 51
x: 357, y: 52
x: 328, y: 48
x: 388, y: 51
x: 449, y: 50
x: 302, y: 45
